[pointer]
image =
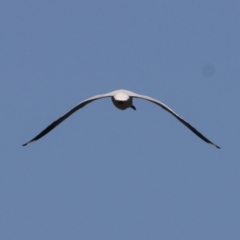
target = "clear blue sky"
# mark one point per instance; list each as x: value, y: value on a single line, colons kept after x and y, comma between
x: 110, y: 174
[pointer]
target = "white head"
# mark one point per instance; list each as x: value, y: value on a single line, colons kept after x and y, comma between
x: 122, y: 101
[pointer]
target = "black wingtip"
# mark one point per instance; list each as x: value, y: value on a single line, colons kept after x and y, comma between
x: 25, y: 144
x: 215, y: 145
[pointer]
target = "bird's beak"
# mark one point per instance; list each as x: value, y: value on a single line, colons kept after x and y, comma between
x: 133, y: 107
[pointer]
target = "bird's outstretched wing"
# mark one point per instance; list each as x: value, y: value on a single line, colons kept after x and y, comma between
x: 62, y: 118
x: 194, y: 130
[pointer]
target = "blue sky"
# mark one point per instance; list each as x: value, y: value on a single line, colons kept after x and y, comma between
x: 111, y: 174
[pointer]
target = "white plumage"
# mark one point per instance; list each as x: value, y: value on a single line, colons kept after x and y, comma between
x: 122, y: 99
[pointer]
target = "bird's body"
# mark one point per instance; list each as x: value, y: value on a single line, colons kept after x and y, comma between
x: 122, y: 99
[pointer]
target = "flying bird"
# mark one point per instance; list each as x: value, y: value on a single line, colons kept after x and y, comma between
x: 122, y: 99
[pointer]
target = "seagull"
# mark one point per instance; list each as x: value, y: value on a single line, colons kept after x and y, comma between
x: 122, y: 99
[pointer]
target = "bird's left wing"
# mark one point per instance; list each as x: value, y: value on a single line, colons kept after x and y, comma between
x: 62, y: 118
x: 165, y: 107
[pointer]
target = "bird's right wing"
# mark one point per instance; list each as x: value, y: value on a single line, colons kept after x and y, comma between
x: 62, y: 118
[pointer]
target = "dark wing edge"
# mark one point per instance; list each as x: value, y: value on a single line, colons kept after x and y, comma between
x: 188, y: 125
x: 61, y: 119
